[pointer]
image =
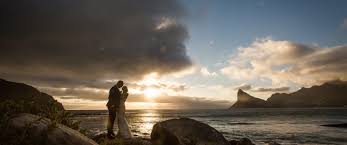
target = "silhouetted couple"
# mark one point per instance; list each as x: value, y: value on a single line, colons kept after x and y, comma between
x: 116, y: 109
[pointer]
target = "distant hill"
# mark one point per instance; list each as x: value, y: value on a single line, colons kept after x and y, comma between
x: 330, y: 94
x: 21, y: 92
x: 245, y: 100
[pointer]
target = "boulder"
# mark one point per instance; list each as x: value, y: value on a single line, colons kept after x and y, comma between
x: 185, y: 131
x: 340, y: 125
x: 31, y: 129
x: 242, y: 141
x: 272, y: 143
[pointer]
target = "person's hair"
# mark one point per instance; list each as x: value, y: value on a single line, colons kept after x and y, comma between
x: 120, y: 83
x: 125, y: 89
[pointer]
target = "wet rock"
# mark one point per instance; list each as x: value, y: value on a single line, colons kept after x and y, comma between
x: 185, y: 131
x: 272, y: 143
x: 242, y: 141
x: 31, y: 129
x: 340, y: 125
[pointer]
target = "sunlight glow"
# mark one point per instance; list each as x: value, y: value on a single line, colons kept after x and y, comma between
x: 150, y: 79
x: 152, y: 93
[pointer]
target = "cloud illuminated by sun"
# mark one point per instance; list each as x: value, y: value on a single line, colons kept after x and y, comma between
x: 151, y: 79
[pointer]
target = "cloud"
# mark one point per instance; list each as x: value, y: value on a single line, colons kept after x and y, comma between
x: 244, y: 87
x: 193, y: 102
x: 83, y: 41
x: 175, y: 87
x: 98, y: 93
x: 205, y: 72
x: 278, y: 89
x: 344, y: 23
x: 92, y: 94
x: 247, y: 87
x: 68, y: 95
x: 285, y: 62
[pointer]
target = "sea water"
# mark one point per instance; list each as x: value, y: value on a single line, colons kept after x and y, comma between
x: 285, y: 126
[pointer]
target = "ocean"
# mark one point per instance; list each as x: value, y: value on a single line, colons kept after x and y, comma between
x: 285, y: 126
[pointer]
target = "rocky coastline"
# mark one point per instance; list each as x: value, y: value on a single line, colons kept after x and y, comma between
x: 33, y: 117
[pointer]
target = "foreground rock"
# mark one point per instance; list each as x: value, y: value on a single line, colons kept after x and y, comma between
x: 31, y: 129
x: 103, y: 140
x: 341, y: 125
x: 185, y: 131
x: 242, y: 141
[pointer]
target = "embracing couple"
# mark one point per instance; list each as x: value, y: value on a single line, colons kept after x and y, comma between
x: 116, y: 109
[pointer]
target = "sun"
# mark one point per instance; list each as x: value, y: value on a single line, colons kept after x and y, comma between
x: 151, y: 93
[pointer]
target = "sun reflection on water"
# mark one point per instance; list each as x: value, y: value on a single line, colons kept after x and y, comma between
x: 143, y: 123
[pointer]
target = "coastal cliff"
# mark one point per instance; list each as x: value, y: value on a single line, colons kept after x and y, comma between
x: 245, y: 100
x: 330, y: 94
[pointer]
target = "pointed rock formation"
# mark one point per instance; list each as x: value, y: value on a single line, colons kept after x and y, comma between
x: 245, y: 100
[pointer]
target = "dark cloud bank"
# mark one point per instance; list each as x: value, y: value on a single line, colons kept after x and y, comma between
x: 68, y: 42
x: 68, y: 47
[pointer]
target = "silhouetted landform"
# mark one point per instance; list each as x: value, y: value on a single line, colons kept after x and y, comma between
x: 330, y: 94
x: 16, y: 98
x: 20, y: 92
x: 340, y: 125
x: 245, y: 100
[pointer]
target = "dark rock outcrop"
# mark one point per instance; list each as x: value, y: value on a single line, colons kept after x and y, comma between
x: 340, y: 125
x: 185, y: 131
x: 330, y: 94
x: 272, y: 143
x: 242, y: 141
x: 31, y: 129
x: 22, y: 92
x: 245, y: 100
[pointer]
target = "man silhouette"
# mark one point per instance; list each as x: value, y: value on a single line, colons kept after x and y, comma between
x: 112, y: 106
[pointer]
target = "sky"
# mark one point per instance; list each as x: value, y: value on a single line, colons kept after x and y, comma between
x: 172, y: 54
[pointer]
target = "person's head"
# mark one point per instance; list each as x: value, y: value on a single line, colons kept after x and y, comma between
x: 120, y: 84
x: 125, y: 89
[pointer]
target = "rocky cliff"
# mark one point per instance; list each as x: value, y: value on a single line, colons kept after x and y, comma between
x: 245, y: 100
x: 330, y: 94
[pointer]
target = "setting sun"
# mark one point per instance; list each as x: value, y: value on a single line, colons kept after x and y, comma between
x: 151, y: 93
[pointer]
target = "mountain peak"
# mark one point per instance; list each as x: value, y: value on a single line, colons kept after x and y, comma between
x: 244, y: 99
